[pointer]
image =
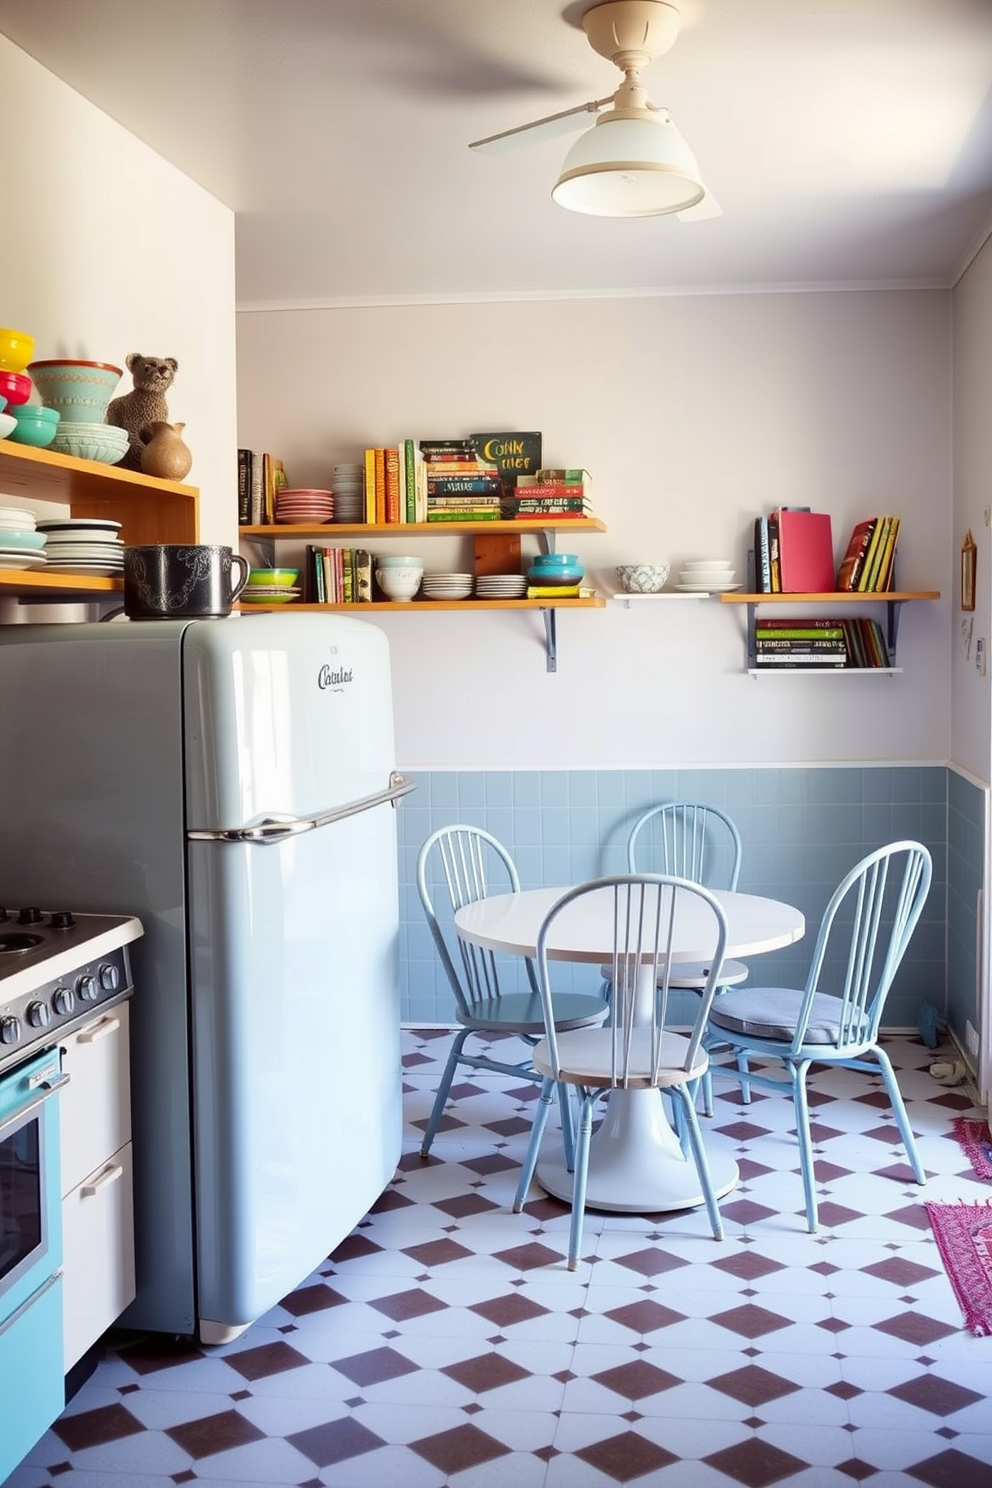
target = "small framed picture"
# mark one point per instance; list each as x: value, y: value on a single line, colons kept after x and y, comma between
x: 969, y: 554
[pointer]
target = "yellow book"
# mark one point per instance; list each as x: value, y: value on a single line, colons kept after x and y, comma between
x: 370, y: 485
x: 884, y: 580
x: 870, y: 564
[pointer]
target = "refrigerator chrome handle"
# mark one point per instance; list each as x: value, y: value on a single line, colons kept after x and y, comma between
x: 277, y: 829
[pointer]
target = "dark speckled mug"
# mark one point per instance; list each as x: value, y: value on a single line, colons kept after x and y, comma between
x: 182, y: 581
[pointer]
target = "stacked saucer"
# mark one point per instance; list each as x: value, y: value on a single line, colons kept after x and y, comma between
x: 349, y: 493
x: 501, y: 586
x: 21, y: 546
x: 304, y: 505
x: 447, y: 586
x: 83, y: 545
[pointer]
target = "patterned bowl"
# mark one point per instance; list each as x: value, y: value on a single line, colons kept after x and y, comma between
x: 642, y: 578
x: 79, y: 390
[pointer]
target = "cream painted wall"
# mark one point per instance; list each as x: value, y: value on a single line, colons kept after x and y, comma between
x: 694, y: 414
x: 113, y: 250
x: 971, y: 738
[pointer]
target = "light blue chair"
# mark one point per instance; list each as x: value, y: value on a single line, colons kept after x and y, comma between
x: 630, y: 1054
x: 459, y: 865
x: 862, y: 939
x: 690, y: 840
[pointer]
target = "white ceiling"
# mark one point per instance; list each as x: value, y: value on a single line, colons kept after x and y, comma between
x: 848, y: 141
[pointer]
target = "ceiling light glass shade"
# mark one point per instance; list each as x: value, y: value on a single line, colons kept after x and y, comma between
x: 638, y: 167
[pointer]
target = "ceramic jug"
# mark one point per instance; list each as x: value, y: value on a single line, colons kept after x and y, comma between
x: 166, y: 454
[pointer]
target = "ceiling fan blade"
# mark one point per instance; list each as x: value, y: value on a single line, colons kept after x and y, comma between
x: 547, y: 128
x: 707, y: 206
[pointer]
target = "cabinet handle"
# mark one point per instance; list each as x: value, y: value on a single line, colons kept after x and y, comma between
x: 107, y: 1177
x: 98, y: 1031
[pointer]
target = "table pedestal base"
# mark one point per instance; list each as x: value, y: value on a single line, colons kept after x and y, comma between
x: 636, y: 1165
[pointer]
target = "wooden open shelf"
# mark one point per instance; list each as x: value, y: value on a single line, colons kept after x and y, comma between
x: 893, y: 599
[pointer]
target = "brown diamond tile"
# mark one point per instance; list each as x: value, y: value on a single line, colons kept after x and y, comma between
x: 832, y: 1216
x: 212, y: 1434
x: 490, y: 1162
x: 899, y: 1271
x: 437, y: 1252
x: 454, y: 1451
x: 356, y: 1247
x: 952, y: 1469
x: 742, y: 1131
x: 459, y: 1093
x: 750, y: 1170
x: 145, y: 1356
x: 755, y: 1463
x: 746, y: 1264
x: 503, y: 1312
x: 485, y: 1372
x: 374, y: 1367
x: 528, y: 1257
x: 269, y: 1359
x: 335, y: 1441
x: 652, y: 1262
x: 746, y: 1212
x: 842, y: 1390
x: 915, y: 1328
x: 402, y: 1306
x: 308, y: 1299
x: 914, y: 1216
x: 96, y: 1427
x: 828, y: 1172
x: 390, y: 1200
x: 510, y: 1126
x: 544, y: 1207
x: 752, y: 1385
x: 463, y: 1206
x: 820, y: 1133
x: 858, y: 1472
x: 625, y: 1457
x: 637, y: 1380
x: 644, y: 1316
x: 834, y: 1325
x: 939, y: 1396
x: 750, y: 1321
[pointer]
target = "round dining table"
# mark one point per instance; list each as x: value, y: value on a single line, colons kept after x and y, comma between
x: 636, y: 1163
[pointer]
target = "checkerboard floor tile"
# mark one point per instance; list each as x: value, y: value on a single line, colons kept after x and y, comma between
x: 445, y: 1342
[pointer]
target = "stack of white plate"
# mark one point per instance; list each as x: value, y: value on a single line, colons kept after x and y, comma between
x: 349, y: 493
x: 501, y: 586
x: 707, y: 575
x: 447, y: 586
x: 304, y: 505
x: 20, y: 545
x: 83, y: 545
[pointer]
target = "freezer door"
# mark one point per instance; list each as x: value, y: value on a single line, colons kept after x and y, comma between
x: 286, y: 716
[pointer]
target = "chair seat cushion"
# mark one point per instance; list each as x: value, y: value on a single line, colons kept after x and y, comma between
x: 520, y: 1012
x: 694, y: 973
x: 586, y: 1055
x: 772, y: 1013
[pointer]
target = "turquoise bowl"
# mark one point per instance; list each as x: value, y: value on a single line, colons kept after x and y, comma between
x: 79, y: 390
x: 34, y: 426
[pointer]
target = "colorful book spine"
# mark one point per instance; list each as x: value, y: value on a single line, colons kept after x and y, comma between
x: 463, y: 514
x: 458, y: 485
x: 410, y: 479
x: 870, y: 564
x: 244, y: 487
x: 391, y: 485
x: 370, y: 485
x: 380, y: 484
x: 854, y: 557
x: 887, y: 561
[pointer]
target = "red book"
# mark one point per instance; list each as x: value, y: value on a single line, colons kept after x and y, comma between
x: 805, y: 552
x: 854, y: 558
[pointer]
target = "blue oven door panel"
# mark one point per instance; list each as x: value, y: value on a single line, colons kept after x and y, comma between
x: 33, y: 1393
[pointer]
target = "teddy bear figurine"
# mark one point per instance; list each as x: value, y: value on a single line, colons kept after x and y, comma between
x: 145, y: 405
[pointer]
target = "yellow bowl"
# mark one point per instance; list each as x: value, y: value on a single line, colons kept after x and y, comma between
x: 16, y: 350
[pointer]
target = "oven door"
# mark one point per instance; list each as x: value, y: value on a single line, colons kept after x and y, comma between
x: 33, y: 1393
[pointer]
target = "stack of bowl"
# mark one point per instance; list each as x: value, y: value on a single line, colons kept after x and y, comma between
x: 348, y: 483
x: 16, y: 350
x: 77, y: 393
x: 707, y: 576
x: 21, y: 545
x: 268, y: 586
x: 555, y: 570
x: 399, y: 576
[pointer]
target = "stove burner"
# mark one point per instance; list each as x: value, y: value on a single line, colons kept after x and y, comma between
x: 18, y: 944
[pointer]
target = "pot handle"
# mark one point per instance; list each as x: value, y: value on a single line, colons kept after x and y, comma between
x: 245, y: 568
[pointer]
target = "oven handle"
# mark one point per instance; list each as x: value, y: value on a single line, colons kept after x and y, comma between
x: 48, y: 1089
x: 46, y: 1286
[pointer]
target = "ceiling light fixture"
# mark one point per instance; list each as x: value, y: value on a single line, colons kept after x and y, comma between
x: 631, y: 163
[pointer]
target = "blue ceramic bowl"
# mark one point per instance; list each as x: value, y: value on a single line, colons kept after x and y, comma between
x: 556, y: 560
x: 33, y: 425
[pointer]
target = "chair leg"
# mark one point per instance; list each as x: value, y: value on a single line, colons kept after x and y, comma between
x: 533, y: 1146
x: 441, y: 1098
x: 801, y: 1103
x: 899, y: 1112
x: 581, y: 1176
x: 567, y: 1125
x: 683, y: 1096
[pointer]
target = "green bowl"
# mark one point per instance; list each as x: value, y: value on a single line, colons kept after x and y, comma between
x: 269, y: 576
x: 31, y: 429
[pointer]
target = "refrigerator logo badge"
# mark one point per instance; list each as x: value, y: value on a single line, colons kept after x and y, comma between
x: 333, y: 678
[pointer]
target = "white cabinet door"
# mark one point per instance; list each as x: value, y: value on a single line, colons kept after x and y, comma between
x: 98, y: 1247
x: 95, y: 1108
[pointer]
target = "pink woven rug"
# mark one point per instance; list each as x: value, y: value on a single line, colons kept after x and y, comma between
x: 975, y: 1142
x: 964, y: 1238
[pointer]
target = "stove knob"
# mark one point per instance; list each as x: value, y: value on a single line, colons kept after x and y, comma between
x: 110, y: 977
x: 10, y: 1030
x: 39, y: 1014
x: 63, y: 1001
x: 30, y: 917
x: 62, y: 920
x: 86, y: 988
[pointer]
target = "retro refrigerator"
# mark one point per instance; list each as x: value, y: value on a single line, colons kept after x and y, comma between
x: 232, y: 783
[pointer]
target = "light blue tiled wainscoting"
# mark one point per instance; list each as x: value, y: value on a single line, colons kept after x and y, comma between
x: 967, y: 807
x: 802, y: 829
